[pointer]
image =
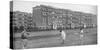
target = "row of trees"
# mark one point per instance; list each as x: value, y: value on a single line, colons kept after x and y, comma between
x: 21, y: 21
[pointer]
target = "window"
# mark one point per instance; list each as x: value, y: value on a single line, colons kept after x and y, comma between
x: 44, y: 13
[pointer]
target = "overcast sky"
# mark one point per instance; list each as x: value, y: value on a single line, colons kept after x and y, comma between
x: 26, y: 6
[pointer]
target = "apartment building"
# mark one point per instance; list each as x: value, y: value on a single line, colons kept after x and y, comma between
x: 48, y: 16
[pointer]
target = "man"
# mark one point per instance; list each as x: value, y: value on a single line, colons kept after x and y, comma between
x: 24, y: 37
x: 82, y: 31
x: 63, y: 36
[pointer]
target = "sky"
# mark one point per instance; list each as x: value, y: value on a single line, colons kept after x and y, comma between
x: 26, y: 6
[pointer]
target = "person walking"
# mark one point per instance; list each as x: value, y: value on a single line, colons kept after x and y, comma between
x: 82, y: 34
x: 63, y: 36
x: 24, y: 38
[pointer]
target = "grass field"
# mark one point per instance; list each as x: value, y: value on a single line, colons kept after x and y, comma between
x: 53, y: 38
